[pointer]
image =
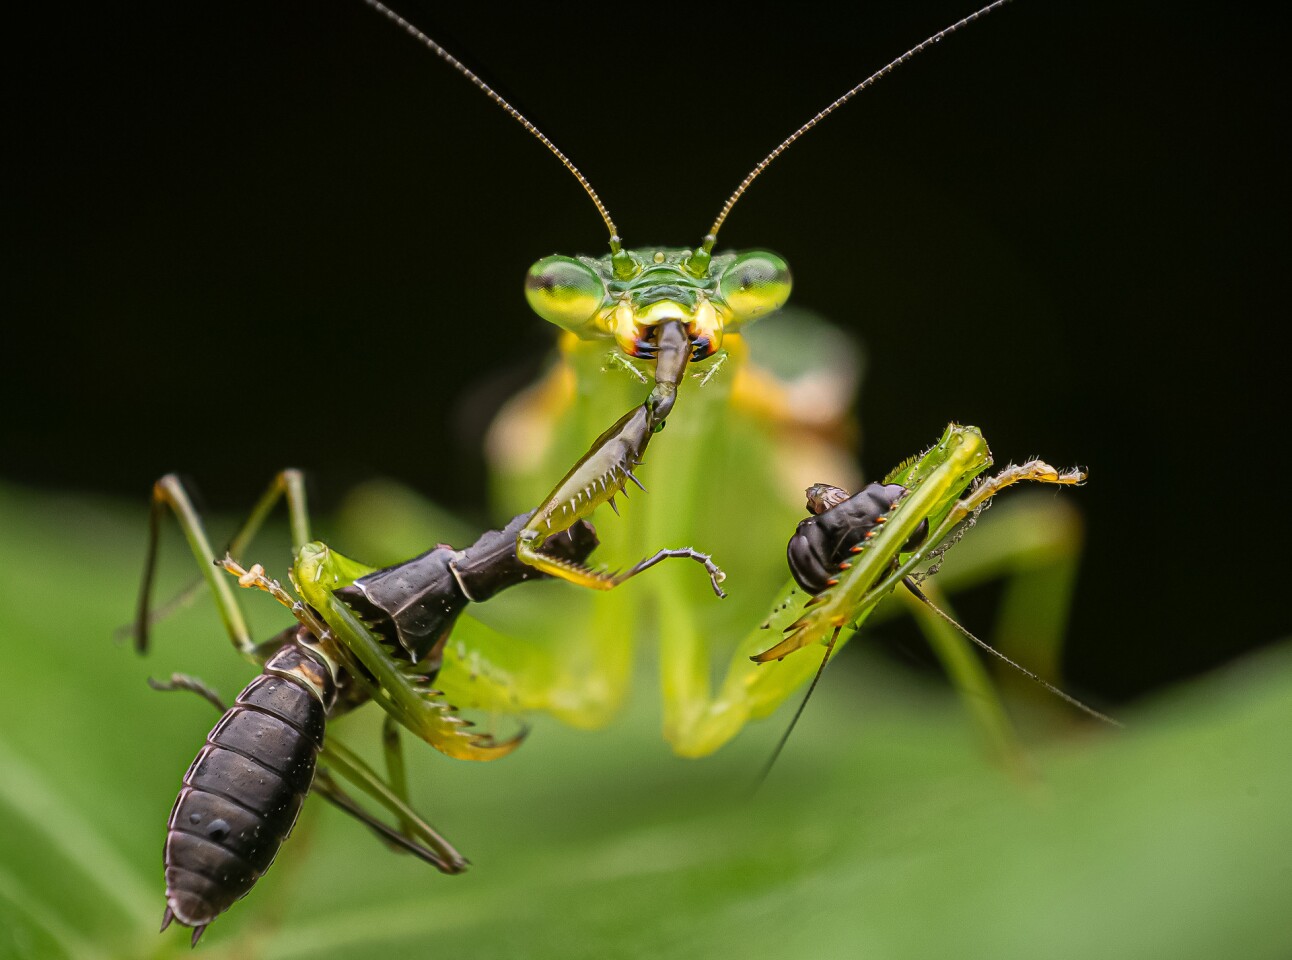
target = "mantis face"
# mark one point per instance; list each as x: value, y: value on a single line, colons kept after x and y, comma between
x: 622, y: 296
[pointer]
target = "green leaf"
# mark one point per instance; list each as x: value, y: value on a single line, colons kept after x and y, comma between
x: 882, y: 833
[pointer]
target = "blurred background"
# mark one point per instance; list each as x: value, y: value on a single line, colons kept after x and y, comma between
x: 243, y: 236
x: 246, y: 236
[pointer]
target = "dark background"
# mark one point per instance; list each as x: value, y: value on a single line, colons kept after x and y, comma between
x: 243, y: 236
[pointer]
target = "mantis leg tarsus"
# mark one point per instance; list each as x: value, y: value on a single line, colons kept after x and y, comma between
x: 716, y: 575
x: 1037, y: 471
x: 587, y: 577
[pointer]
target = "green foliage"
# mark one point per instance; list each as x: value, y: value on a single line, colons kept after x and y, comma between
x: 882, y: 833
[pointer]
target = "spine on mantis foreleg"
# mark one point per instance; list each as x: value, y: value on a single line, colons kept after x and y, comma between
x: 594, y: 480
x: 242, y: 794
x: 607, y: 467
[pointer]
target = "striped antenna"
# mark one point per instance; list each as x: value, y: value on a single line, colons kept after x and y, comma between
x: 712, y: 237
x: 511, y: 111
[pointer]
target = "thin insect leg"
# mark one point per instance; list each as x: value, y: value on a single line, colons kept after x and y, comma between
x: 157, y: 508
x: 966, y: 511
x: 780, y: 744
x: 718, y: 362
x: 716, y: 576
x: 328, y: 788
x: 396, y: 772
x: 183, y: 681
x: 438, y: 851
x: 1035, y: 470
x: 289, y: 484
x: 616, y: 359
x: 602, y: 473
x: 169, y: 492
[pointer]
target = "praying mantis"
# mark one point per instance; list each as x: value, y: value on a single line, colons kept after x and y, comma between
x: 656, y: 332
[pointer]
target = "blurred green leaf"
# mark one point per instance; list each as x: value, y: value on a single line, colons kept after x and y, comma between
x: 881, y: 833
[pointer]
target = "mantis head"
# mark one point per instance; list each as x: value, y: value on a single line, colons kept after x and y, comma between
x: 624, y: 295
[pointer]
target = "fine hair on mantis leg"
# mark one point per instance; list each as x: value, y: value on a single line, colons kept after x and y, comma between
x: 853, y: 549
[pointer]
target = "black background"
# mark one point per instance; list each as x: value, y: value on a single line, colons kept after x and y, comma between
x: 243, y: 236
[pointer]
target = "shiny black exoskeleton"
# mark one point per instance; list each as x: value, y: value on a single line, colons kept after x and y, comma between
x: 242, y: 794
x: 840, y: 524
x: 416, y: 603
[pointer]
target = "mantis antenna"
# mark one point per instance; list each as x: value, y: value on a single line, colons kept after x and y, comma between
x: 712, y: 237
x: 496, y: 97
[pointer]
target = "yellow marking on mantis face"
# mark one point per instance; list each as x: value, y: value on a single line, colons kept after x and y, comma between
x: 623, y: 325
x: 709, y: 324
x: 632, y: 325
x: 588, y: 298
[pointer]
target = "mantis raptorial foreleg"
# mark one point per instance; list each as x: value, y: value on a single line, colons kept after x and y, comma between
x: 894, y: 534
x: 602, y: 473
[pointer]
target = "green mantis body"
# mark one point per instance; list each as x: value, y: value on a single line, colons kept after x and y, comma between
x: 634, y: 318
x: 618, y: 313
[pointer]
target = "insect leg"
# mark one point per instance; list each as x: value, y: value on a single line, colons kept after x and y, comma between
x: 414, y: 833
x: 716, y: 576
x: 1038, y: 471
x: 170, y: 492
x: 419, y: 837
x: 403, y: 840
x: 602, y: 473
x: 396, y: 772
x: 701, y: 716
x: 183, y: 681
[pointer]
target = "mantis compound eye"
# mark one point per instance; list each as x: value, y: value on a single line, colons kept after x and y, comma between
x: 754, y: 284
x: 564, y: 291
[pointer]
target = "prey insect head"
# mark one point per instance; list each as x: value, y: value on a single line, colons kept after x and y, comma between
x: 603, y: 299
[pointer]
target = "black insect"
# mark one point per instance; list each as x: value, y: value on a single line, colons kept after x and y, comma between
x: 824, y: 543
x: 242, y: 794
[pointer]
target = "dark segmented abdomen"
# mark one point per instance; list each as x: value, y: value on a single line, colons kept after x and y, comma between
x: 241, y: 795
x: 823, y: 542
